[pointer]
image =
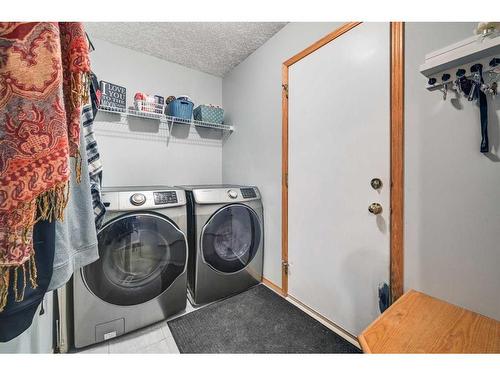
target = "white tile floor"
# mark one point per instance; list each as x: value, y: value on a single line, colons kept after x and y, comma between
x: 155, y: 339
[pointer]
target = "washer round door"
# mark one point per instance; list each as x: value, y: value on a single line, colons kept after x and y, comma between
x: 140, y: 256
x: 230, y: 239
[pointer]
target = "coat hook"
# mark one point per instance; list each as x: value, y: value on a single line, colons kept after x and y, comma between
x: 444, y: 90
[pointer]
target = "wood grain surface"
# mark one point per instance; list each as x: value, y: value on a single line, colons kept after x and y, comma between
x: 418, y: 323
x: 397, y: 159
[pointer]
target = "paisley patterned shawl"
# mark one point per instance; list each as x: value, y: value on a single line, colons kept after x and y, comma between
x: 43, y: 70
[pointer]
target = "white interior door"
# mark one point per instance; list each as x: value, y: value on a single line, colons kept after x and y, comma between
x: 339, y: 134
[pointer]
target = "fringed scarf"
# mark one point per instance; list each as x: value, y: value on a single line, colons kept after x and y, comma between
x: 43, y: 78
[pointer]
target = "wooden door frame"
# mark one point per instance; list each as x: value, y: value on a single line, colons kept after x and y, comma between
x: 396, y: 152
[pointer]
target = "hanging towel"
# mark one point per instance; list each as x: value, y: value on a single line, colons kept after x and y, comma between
x: 94, y: 165
x: 76, y: 238
x: 43, y: 79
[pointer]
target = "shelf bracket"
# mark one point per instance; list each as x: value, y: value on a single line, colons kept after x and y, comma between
x: 123, y: 118
x: 170, y: 125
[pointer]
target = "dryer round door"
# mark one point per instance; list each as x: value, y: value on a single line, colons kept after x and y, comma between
x: 140, y: 256
x: 230, y: 239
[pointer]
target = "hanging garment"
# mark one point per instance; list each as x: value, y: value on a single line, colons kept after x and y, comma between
x: 76, y: 238
x: 472, y: 88
x: 483, y: 111
x: 94, y: 165
x: 43, y: 69
x: 95, y: 93
x: 23, y: 301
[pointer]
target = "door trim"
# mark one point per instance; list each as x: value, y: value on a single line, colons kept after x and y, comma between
x: 396, y: 151
x: 272, y: 286
x: 397, y: 159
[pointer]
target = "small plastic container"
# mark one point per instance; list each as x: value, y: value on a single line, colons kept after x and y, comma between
x: 181, y: 108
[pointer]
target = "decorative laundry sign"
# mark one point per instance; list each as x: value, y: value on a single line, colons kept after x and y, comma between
x: 113, y: 96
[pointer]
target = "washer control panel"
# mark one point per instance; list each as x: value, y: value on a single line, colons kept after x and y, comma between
x: 165, y: 197
x: 138, y: 199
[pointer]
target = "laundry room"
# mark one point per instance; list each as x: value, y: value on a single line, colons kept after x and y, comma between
x: 227, y: 185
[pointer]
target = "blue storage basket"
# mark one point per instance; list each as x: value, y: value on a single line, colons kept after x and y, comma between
x: 181, y: 109
x: 209, y: 113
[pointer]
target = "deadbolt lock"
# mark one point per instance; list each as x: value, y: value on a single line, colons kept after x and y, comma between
x: 376, y: 183
x: 375, y: 208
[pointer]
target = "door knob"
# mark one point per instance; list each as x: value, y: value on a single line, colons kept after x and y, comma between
x: 375, y: 208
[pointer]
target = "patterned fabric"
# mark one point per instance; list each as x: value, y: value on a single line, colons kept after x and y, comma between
x: 42, y: 82
x: 94, y: 164
x: 75, y: 60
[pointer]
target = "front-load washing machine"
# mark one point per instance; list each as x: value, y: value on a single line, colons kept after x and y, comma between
x: 226, y: 240
x: 140, y: 277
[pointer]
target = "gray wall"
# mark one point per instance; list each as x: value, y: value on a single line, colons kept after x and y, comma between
x: 452, y: 192
x: 252, y: 100
x: 139, y: 152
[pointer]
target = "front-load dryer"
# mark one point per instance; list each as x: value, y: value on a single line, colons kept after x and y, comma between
x: 140, y: 277
x: 226, y: 240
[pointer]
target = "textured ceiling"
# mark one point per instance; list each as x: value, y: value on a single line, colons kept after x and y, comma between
x: 211, y: 47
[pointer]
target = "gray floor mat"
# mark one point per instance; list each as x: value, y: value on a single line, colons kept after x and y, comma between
x: 255, y: 321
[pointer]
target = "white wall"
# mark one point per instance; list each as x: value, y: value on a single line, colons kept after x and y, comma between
x: 452, y: 192
x: 137, y: 152
x: 38, y: 338
x: 252, y: 100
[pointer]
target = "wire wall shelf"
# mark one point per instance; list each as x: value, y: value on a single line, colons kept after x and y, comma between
x: 169, y: 120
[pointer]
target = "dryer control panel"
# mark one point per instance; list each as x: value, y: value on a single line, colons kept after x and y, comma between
x: 248, y: 193
x: 229, y: 194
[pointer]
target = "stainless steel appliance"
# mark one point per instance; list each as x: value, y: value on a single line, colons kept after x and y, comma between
x: 226, y: 240
x: 140, y: 277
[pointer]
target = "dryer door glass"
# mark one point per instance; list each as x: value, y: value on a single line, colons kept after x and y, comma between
x: 140, y: 256
x: 231, y: 238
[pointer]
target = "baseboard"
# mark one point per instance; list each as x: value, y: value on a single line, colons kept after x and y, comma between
x: 325, y: 321
x: 273, y: 286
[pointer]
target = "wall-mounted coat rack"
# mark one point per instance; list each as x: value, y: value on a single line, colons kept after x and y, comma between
x: 452, y: 62
x: 470, y: 67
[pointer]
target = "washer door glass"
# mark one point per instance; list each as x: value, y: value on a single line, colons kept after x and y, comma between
x: 140, y: 256
x: 231, y: 238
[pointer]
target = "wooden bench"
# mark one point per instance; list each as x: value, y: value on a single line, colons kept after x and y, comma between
x: 418, y: 323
